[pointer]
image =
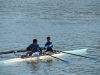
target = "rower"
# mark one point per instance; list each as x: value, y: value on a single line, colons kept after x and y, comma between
x: 48, y: 46
x: 33, y: 49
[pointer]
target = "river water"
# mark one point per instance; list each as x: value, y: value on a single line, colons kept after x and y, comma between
x: 71, y: 24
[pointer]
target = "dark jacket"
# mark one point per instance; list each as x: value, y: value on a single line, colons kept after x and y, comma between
x: 33, y: 48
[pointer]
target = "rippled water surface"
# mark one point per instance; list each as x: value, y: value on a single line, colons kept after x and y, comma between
x: 71, y: 24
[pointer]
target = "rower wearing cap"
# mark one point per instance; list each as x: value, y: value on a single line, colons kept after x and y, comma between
x: 33, y: 49
x: 48, y: 46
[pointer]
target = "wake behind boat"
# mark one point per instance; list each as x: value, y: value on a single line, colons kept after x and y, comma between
x: 45, y: 58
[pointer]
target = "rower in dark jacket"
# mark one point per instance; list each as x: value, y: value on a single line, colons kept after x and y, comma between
x: 34, y: 49
x: 48, y: 46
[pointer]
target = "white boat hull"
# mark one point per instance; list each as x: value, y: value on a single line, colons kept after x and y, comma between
x: 44, y: 58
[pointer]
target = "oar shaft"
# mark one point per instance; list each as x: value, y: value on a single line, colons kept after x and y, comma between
x: 56, y: 58
x: 7, y: 52
x: 60, y: 59
x: 91, y: 58
x: 75, y: 54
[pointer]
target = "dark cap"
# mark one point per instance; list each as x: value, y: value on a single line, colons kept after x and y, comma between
x: 34, y: 40
x: 48, y: 37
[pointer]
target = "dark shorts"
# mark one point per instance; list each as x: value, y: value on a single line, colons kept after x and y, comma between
x: 51, y: 50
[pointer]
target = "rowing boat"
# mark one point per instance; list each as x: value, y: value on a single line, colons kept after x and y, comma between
x: 44, y: 58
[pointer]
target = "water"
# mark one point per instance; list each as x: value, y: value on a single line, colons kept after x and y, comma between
x: 71, y: 24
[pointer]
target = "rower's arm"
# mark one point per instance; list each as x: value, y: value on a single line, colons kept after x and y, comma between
x: 50, y: 45
x: 29, y: 48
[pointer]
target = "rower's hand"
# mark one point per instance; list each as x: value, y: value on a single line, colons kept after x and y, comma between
x: 29, y: 49
x: 42, y: 48
x: 15, y: 52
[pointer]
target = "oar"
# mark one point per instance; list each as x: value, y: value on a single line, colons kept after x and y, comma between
x: 67, y: 62
x: 91, y: 58
x: 7, y: 52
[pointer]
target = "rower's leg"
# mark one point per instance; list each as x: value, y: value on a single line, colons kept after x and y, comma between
x: 33, y: 54
x: 41, y: 51
x: 28, y: 53
x: 47, y: 52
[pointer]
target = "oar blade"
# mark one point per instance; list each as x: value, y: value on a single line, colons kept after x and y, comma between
x: 92, y: 58
x: 67, y: 62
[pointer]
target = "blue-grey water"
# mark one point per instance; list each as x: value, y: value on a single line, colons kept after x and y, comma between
x: 71, y: 24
